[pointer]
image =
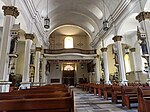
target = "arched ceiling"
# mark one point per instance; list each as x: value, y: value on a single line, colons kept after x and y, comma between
x: 85, y: 13
x: 70, y: 30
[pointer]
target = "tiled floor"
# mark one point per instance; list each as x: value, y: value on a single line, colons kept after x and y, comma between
x: 85, y: 102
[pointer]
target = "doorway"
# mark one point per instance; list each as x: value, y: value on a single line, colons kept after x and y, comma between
x: 68, y: 77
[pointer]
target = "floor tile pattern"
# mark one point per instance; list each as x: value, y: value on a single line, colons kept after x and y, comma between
x: 85, y: 102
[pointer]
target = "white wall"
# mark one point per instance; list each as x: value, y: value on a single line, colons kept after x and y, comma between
x: 80, y: 72
x: 20, y: 59
x: 55, y: 73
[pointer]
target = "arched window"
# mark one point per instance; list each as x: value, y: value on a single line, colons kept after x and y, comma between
x: 127, y: 63
x: 68, y: 42
x: 68, y: 68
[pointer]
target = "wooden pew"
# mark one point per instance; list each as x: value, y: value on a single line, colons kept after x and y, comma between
x: 91, y: 87
x: 62, y: 104
x: 101, y: 90
x: 146, y: 102
x: 107, y: 91
x: 37, y: 95
x: 116, y: 93
x: 23, y: 96
x: 129, y: 95
x: 143, y: 93
x: 96, y: 86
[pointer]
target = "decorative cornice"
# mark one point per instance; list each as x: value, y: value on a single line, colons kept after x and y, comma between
x: 104, y: 49
x: 29, y: 36
x: 117, y: 38
x: 132, y: 49
x: 35, y: 15
x: 143, y: 16
x: 10, y: 10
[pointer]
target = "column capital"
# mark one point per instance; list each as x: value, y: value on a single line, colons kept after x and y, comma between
x: 38, y: 49
x: 117, y: 38
x: 143, y: 16
x: 132, y: 49
x: 29, y: 36
x: 104, y: 49
x: 10, y: 10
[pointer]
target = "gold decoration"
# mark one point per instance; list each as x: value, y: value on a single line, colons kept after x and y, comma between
x: 10, y: 10
x: 132, y: 49
x: 143, y: 16
x: 104, y: 49
x: 117, y: 38
x: 29, y: 36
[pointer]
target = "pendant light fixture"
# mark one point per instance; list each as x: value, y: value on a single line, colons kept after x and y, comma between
x: 105, y: 22
x: 47, y: 20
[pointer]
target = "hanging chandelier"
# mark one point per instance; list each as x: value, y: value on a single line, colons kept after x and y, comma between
x: 47, y: 23
x: 47, y: 20
x: 105, y: 22
x: 105, y: 25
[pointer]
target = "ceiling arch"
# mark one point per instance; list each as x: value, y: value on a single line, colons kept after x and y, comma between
x: 54, y: 13
x: 66, y: 19
x: 75, y: 25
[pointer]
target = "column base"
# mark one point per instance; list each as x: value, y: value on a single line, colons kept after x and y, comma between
x: 98, y: 82
x: 148, y: 81
x: 43, y: 83
x: 25, y: 85
x: 108, y: 82
x: 123, y: 82
x: 4, y: 86
x: 36, y: 84
x: 137, y: 81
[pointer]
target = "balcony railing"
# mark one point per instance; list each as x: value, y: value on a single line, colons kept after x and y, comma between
x: 72, y: 50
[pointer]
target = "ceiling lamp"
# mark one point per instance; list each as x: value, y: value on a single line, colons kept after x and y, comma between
x: 105, y: 25
x: 47, y: 20
x: 47, y: 23
x: 105, y: 22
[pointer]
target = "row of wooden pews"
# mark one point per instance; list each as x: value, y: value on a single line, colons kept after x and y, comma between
x: 133, y: 93
x: 49, y: 98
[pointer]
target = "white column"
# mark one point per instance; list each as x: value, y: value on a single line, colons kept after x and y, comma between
x: 117, y: 40
x: 37, y: 65
x: 9, y: 13
x: 44, y: 70
x: 144, y: 19
x: 26, y: 70
x: 105, y: 61
x: 134, y: 64
x: 97, y: 70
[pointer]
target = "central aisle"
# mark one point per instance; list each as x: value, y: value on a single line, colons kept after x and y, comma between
x: 85, y: 102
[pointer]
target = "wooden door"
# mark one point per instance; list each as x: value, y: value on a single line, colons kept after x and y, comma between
x: 68, y: 77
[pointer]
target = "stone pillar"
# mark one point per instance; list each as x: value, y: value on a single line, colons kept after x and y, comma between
x: 105, y: 61
x: 37, y: 66
x: 9, y: 13
x: 117, y: 40
x: 144, y: 20
x: 44, y: 62
x: 97, y: 69
x: 134, y: 64
x: 26, y: 75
